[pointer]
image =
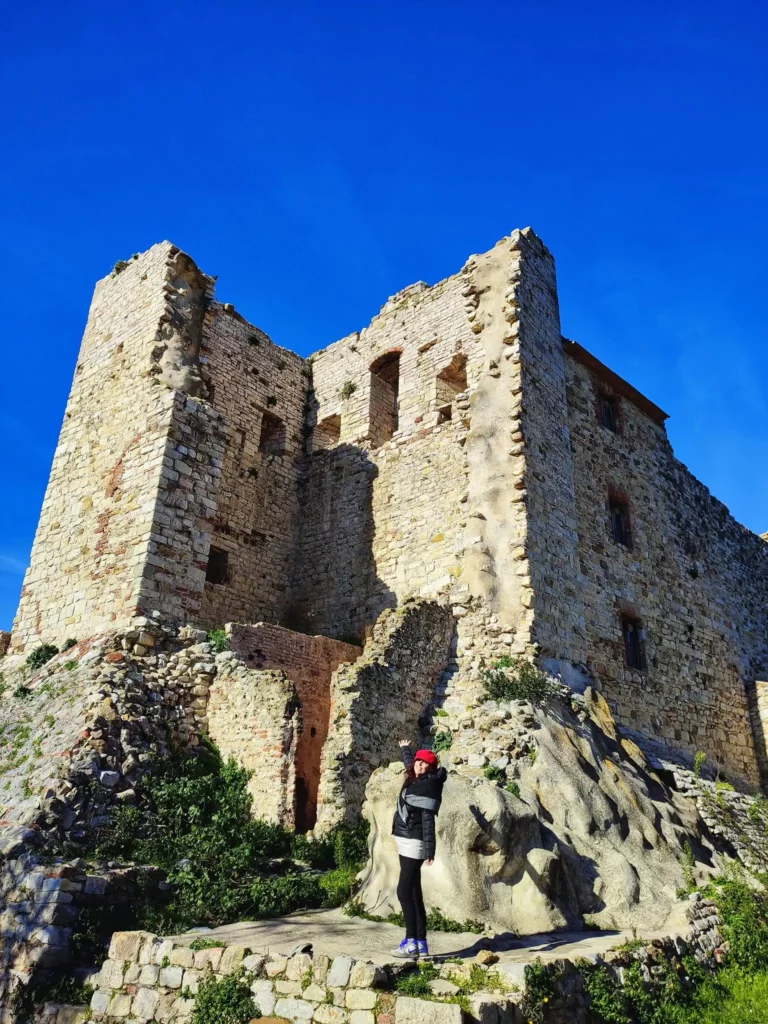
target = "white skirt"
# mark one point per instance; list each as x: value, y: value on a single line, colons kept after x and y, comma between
x: 413, y: 848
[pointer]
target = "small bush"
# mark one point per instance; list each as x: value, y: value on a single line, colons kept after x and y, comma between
x: 348, y: 389
x: 70, y: 666
x: 21, y: 692
x: 698, y: 763
x: 198, y: 944
x: 513, y: 788
x: 517, y: 679
x: 224, y: 1001
x: 494, y: 774
x: 443, y: 741
x: 758, y: 809
x: 69, y: 644
x: 724, y: 787
x: 41, y: 655
x: 416, y: 983
x: 219, y: 640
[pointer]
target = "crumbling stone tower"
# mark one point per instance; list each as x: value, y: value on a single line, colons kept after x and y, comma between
x: 457, y: 449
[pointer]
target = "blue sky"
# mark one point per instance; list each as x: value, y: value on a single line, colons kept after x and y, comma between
x: 319, y: 157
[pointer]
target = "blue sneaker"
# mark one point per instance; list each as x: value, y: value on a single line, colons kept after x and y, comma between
x: 421, y: 947
x: 407, y: 950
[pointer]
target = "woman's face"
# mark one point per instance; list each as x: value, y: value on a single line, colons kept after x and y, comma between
x: 420, y: 768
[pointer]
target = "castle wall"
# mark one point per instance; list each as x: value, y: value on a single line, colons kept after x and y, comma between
x: 309, y: 662
x: 382, y: 520
x: 252, y: 383
x: 696, y: 580
x: 94, y: 531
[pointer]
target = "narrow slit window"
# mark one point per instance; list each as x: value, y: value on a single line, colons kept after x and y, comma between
x: 217, y: 571
x: 620, y: 527
x: 384, y: 398
x: 608, y: 413
x: 634, y: 645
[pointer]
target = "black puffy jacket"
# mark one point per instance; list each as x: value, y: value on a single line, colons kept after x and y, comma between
x: 418, y: 805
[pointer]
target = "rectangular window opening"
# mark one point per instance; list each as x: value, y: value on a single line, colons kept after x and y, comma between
x: 608, y: 410
x: 620, y: 527
x: 327, y: 434
x: 384, y: 413
x: 634, y: 643
x: 217, y: 571
x: 444, y: 414
x: 272, y: 437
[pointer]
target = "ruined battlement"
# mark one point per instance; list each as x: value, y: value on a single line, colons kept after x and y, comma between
x: 457, y: 449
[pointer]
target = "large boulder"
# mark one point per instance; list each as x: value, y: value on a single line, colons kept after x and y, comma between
x: 593, y: 832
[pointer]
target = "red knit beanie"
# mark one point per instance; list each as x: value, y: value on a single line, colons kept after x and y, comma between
x: 429, y: 756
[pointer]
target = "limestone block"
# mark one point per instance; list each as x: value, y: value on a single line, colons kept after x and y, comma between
x: 119, y: 1005
x: 100, y: 1001
x: 421, y: 1011
x: 366, y: 975
x: 320, y: 966
x: 275, y: 965
x: 284, y: 987
x: 231, y: 959
x: 183, y: 956
x: 338, y: 975
x: 254, y: 963
x: 326, y: 1014
x: 145, y: 1004
x: 264, y: 996
x: 489, y: 1008
x: 362, y: 1017
x: 170, y: 977
x: 111, y: 974
x: 360, y: 999
x: 314, y: 993
x: 298, y: 966
x: 294, y: 1009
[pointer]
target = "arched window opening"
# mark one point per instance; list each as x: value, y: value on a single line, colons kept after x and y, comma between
x: 385, y: 384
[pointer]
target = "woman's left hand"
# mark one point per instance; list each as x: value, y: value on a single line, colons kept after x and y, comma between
x: 430, y: 862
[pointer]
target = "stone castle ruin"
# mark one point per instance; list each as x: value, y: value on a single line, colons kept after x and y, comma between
x: 458, y: 450
x: 375, y: 527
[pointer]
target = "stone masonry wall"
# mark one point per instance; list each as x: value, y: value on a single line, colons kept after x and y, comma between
x: 695, y: 579
x: 254, y: 716
x: 378, y: 700
x: 309, y: 662
x: 252, y: 383
x: 89, y: 551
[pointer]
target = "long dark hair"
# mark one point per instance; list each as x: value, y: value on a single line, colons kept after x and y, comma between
x: 410, y: 775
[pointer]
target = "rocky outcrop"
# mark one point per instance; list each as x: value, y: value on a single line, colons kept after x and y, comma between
x: 586, y: 828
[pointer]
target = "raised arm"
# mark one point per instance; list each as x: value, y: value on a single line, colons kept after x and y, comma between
x: 406, y: 753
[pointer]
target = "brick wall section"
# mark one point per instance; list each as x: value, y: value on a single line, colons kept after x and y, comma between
x: 256, y: 519
x: 696, y: 579
x: 254, y: 716
x: 378, y: 700
x: 309, y: 662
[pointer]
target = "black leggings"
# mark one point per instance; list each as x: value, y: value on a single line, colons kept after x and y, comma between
x: 411, y: 899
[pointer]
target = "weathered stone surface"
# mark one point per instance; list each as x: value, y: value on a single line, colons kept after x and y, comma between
x: 338, y: 975
x: 294, y: 1009
x: 421, y: 1011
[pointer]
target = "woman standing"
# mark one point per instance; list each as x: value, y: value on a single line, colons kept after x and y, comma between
x: 414, y: 830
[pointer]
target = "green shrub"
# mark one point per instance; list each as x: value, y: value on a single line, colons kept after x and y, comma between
x: 518, y: 679
x: 195, y: 822
x: 494, y: 774
x: 219, y: 640
x: 348, y: 389
x: 41, y: 655
x: 416, y: 983
x: 69, y: 644
x: 224, y: 1001
x: 758, y: 809
x: 70, y: 666
x: 443, y: 741
x: 698, y: 763
x: 513, y: 788
x: 21, y: 692
x: 722, y: 786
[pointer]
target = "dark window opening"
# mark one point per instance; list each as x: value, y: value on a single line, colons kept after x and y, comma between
x: 217, y: 570
x: 620, y: 528
x: 327, y: 433
x: 272, y: 437
x: 634, y: 645
x: 444, y: 414
x: 451, y: 381
x: 608, y: 412
x: 385, y: 386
